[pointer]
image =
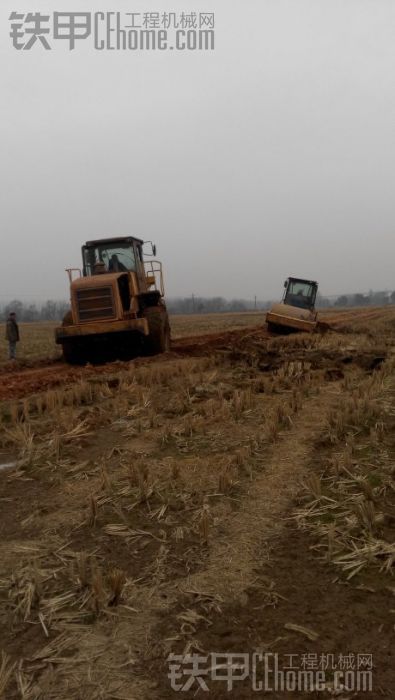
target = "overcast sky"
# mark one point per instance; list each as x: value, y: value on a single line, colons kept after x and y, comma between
x: 272, y: 155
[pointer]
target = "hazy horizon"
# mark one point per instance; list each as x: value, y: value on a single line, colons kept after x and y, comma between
x: 272, y: 155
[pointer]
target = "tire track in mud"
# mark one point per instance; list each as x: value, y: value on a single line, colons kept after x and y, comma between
x: 249, y: 533
x: 18, y: 383
x: 232, y: 559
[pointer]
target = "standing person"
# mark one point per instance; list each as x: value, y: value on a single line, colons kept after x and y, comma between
x: 12, y: 335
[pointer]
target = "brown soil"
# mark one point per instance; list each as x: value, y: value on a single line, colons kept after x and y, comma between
x: 347, y: 619
x: 17, y: 382
x: 210, y: 565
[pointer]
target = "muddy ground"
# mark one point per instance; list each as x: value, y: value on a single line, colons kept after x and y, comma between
x: 235, y: 496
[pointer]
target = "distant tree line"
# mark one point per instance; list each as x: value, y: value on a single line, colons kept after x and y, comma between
x: 370, y: 299
x: 28, y: 312
x: 211, y: 305
x: 201, y: 305
x: 55, y: 310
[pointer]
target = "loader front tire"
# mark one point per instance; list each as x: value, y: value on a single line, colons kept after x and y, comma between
x: 158, y: 340
x: 71, y: 353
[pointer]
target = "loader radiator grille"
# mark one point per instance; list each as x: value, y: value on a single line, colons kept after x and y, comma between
x: 95, y: 303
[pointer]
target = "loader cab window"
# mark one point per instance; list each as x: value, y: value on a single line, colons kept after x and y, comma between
x: 301, y: 294
x: 117, y: 257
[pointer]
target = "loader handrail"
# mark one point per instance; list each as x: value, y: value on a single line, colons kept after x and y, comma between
x: 153, y: 270
x: 70, y: 271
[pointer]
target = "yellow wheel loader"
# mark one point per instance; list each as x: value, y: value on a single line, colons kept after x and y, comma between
x: 117, y: 304
x: 296, y: 311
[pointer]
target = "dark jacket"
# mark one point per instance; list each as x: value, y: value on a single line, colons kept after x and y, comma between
x: 12, y: 331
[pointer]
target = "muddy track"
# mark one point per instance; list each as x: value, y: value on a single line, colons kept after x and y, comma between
x: 17, y: 382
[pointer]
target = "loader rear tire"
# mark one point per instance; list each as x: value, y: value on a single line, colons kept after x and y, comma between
x: 158, y: 340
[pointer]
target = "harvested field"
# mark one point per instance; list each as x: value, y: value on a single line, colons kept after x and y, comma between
x: 234, y: 496
x: 37, y: 339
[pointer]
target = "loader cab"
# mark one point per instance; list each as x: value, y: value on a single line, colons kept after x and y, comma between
x: 300, y: 293
x: 121, y: 265
x: 113, y: 255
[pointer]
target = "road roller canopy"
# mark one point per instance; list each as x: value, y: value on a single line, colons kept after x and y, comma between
x: 299, y: 292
